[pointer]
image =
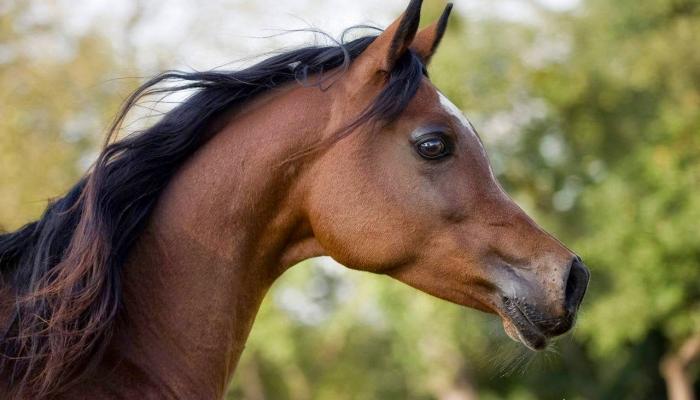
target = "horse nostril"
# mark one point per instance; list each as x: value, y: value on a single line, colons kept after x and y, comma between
x: 576, y: 285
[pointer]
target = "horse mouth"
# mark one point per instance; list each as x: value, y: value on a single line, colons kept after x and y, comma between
x: 520, y: 327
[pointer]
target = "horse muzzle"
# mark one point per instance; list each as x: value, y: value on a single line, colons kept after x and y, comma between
x: 524, y: 321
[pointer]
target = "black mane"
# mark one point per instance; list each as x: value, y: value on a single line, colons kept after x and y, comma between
x: 65, y: 268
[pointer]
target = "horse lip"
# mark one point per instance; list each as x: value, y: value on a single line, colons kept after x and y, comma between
x: 527, y: 332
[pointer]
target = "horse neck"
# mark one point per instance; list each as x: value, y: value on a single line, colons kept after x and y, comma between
x: 227, y: 225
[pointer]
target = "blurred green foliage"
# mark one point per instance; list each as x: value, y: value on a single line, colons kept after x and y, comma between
x: 54, y: 105
x: 592, y: 119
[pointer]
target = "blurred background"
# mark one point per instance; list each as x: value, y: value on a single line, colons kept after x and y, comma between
x: 590, y: 110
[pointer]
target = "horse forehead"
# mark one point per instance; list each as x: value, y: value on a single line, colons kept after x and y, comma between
x: 430, y: 97
x: 454, y: 111
x: 451, y: 109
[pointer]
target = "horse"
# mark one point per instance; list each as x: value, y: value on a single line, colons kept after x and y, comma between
x: 143, y: 281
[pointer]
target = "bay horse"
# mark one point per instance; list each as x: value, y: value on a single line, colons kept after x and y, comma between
x: 143, y: 281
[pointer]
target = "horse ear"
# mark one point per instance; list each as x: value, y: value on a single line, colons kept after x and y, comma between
x: 390, y: 45
x: 428, y: 39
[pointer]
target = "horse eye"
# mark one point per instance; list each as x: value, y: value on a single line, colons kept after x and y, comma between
x: 432, y: 148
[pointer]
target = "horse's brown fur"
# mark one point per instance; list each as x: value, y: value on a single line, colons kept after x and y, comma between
x: 243, y: 209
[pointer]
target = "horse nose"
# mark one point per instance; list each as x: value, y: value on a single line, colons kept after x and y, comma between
x: 576, y: 285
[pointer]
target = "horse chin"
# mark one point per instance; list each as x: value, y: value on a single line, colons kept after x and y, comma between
x: 525, y: 333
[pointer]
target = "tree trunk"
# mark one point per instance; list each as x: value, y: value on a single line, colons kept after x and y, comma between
x: 674, y: 369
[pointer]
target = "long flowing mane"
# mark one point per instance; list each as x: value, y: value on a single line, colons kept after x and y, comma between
x: 64, y: 270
